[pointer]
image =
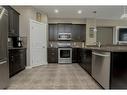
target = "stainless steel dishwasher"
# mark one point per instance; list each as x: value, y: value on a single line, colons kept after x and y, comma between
x: 101, y: 68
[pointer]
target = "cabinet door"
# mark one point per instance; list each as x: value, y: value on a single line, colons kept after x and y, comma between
x: 87, y: 60
x: 52, y: 55
x: 55, y: 36
x: 51, y: 32
x: 11, y: 70
x: 74, y: 55
x: 61, y: 28
x: 22, y: 58
x: 67, y: 28
x: 11, y: 27
x: 16, y: 23
x: 76, y: 32
x: 79, y: 55
x: 10, y: 21
x: 118, y: 77
x: 17, y: 61
x: 13, y: 21
x: 14, y: 63
x: 82, y: 32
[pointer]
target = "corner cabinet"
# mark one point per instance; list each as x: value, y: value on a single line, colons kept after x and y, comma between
x: 13, y: 22
x: 17, y: 60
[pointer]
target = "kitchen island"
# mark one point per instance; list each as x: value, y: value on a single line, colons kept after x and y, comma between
x: 109, y: 66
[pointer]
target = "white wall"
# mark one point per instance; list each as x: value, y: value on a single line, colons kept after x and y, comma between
x: 27, y: 13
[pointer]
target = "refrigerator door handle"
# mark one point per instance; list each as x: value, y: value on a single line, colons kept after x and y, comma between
x: 3, y: 62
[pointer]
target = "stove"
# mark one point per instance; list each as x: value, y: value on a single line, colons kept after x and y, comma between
x: 64, y: 53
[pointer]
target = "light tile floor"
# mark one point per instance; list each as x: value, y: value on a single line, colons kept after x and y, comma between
x: 54, y: 76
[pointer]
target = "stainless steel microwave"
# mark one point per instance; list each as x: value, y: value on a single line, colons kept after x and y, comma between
x: 121, y: 34
x: 64, y: 36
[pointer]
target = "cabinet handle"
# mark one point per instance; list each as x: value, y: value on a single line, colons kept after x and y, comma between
x: 12, y: 58
x: 3, y: 62
x: 98, y: 54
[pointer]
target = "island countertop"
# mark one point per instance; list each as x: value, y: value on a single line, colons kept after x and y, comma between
x: 108, y: 48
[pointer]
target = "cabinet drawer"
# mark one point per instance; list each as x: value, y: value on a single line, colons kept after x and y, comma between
x: 52, y: 49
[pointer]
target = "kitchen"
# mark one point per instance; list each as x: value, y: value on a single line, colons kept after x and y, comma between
x: 93, y: 47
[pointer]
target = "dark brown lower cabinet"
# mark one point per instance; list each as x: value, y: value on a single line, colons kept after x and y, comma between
x: 74, y: 55
x: 17, y: 60
x: 52, y: 55
x: 118, y: 73
x: 85, y: 59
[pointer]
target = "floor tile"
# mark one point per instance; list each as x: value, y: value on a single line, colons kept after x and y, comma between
x: 53, y: 76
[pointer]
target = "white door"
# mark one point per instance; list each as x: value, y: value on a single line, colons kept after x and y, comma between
x: 38, y: 43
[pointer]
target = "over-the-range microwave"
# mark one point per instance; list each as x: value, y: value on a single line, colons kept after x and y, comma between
x: 64, y: 36
x: 121, y: 34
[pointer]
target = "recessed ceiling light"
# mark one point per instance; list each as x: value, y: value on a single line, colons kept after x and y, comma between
x: 56, y: 10
x: 79, y: 11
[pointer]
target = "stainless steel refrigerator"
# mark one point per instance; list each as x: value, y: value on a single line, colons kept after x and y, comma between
x: 4, y: 66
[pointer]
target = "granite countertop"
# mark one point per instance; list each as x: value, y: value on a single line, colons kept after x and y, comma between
x: 70, y: 47
x: 109, y: 48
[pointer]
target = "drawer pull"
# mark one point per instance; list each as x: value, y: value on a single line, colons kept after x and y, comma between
x: 3, y: 62
x: 98, y: 54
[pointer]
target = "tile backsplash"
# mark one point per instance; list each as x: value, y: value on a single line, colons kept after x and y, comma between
x: 24, y: 41
x: 73, y: 44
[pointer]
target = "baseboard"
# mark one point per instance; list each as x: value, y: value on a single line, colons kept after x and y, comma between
x: 29, y: 67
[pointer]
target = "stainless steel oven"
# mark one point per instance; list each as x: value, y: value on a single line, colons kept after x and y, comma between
x: 64, y: 55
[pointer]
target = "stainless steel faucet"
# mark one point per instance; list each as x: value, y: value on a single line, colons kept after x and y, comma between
x: 98, y: 44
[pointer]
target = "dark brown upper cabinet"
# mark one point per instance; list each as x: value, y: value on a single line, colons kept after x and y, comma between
x: 77, y: 30
x: 53, y: 32
x: 13, y: 22
x: 68, y: 28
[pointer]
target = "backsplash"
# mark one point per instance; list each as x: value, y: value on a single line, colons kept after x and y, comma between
x: 24, y: 42
x: 73, y: 44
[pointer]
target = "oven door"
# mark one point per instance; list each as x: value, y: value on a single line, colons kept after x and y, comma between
x: 65, y: 55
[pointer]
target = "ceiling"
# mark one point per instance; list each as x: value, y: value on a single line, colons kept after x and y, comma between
x: 103, y: 12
